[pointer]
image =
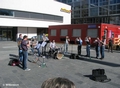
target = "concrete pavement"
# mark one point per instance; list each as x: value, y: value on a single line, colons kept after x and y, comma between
x: 77, y: 70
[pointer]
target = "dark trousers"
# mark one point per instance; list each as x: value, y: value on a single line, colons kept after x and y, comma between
x: 20, y: 55
x: 79, y: 49
x: 88, y: 50
x: 25, y: 58
x: 97, y: 49
x: 102, y: 48
x: 110, y: 48
x: 44, y: 50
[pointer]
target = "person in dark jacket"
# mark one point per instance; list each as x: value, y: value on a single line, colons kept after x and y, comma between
x: 88, y: 43
x: 19, y: 39
x: 25, y: 44
x: 79, y: 42
x: 110, y: 45
x: 97, y: 47
x: 102, y: 48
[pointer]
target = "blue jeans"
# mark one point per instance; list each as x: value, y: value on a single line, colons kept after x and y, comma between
x: 97, y: 49
x: 65, y: 48
x: 88, y: 50
x: 20, y: 55
x: 25, y: 58
x: 102, y: 48
x: 38, y: 52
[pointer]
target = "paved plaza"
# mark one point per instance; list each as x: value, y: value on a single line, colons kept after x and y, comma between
x: 77, y: 70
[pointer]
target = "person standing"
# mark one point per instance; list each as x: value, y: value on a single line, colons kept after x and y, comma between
x: 44, y: 39
x: 66, y: 44
x: 79, y: 42
x: 88, y: 42
x: 102, y: 48
x: 110, y: 45
x: 19, y: 39
x: 97, y: 47
x: 25, y: 44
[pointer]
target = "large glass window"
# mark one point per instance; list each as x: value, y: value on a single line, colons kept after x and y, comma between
x: 93, y: 33
x: 85, y: 12
x: 103, y: 10
x: 21, y: 14
x: 93, y: 11
x: 118, y: 1
x: 64, y: 32
x: 77, y: 13
x: 113, y: 1
x: 85, y: 4
x: 103, y: 2
x: 30, y: 15
x: 114, y: 9
x: 93, y: 3
x: 6, y: 12
x: 76, y: 32
x: 53, y: 32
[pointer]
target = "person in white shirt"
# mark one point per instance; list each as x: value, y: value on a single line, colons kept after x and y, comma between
x: 53, y: 45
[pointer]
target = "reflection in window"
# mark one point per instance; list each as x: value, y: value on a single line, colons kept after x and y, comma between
x: 77, y: 13
x: 93, y: 3
x: 103, y: 10
x: 84, y: 12
x: 76, y: 33
x: 93, y: 33
x: 53, y: 32
x: 64, y: 32
x: 93, y: 11
x: 113, y: 1
x: 84, y: 4
x: 6, y: 12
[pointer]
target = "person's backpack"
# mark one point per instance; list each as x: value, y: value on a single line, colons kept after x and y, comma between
x: 99, y: 75
x: 14, y: 62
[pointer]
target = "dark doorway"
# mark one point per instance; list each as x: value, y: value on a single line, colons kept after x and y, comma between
x: 7, y: 33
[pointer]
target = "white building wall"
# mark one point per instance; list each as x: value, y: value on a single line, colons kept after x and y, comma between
x: 38, y: 6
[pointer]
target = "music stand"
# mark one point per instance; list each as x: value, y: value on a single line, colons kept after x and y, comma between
x: 43, y: 63
x: 43, y: 45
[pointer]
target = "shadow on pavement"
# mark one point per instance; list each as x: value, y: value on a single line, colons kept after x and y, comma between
x: 99, y: 62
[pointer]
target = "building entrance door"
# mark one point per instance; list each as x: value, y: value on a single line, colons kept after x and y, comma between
x: 5, y: 34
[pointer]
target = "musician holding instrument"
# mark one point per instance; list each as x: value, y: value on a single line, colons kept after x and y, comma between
x: 79, y: 42
x: 44, y: 43
x: 66, y: 44
x: 35, y: 45
x: 53, y: 47
x: 102, y: 47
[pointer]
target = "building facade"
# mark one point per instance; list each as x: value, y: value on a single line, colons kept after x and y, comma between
x: 94, y: 11
x: 74, y: 31
x: 31, y: 18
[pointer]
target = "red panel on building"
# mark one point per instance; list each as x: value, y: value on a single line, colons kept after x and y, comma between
x: 59, y: 32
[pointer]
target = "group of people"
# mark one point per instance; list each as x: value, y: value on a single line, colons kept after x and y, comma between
x: 24, y: 44
x: 99, y: 46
